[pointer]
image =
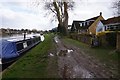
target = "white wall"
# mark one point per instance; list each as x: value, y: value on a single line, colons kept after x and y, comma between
x: 100, y: 27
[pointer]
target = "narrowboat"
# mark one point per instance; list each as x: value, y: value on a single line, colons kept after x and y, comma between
x: 13, y: 48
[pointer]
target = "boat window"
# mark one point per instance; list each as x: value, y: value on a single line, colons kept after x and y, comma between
x: 29, y: 42
x: 19, y: 46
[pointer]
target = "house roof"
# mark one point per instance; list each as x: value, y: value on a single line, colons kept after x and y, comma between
x: 76, y: 23
x: 94, y: 18
x: 111, y: 20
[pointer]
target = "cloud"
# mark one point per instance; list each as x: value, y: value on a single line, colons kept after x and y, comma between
x: 85, y: 9
x: 21, y: 16
x: 25, y: 14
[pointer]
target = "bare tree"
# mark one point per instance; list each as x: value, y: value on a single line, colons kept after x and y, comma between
x: 60, y: 9
x: 116, y: 6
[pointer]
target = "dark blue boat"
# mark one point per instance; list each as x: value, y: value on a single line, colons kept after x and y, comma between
x: 12, y: 49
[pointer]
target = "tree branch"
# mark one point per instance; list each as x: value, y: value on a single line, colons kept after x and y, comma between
x: 53, y: 11
x: 57, y: 10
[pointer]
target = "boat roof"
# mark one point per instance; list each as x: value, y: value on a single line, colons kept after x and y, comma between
x: 16, y: 38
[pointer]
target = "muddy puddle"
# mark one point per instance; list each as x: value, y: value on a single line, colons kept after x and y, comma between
x: 74, y: 63
x: 56, y: 39
x: 68, y: 66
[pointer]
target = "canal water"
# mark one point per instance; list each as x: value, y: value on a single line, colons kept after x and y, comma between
x: 18, y: 37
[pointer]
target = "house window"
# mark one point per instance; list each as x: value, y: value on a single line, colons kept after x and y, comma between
x: 111, y: 27
x: 80, y: 24
x: 108, y: 27
x: 116, y: 27
x: 84, y: 23
x: 105, y: 28
x: 88, y: 23
x: 100, y: 30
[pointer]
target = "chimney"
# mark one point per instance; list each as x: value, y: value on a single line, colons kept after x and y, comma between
x: 100, y: 13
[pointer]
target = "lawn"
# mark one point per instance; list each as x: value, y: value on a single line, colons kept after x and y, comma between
x: 34, y: 63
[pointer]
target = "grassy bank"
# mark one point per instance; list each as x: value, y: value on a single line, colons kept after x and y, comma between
x: 34, y: 63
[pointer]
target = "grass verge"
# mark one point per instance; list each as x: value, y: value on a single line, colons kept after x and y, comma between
x: 106, y: 56
x: 34, y: 63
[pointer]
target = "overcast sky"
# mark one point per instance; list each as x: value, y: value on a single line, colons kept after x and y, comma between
x: 18, y: 14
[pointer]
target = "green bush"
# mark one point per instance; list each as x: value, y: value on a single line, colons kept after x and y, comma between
x: 111, y: 38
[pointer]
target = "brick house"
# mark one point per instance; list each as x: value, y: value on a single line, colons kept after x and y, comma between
x: 88, y: 26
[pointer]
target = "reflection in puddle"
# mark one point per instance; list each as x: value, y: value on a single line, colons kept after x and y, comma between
x: 68, y: 66
x: 51, y: 54
x: 84, y: 73
x: 73, y: 69
x: 69, y: 50
x: 56, y: 39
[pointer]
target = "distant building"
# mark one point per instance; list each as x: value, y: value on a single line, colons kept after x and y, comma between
x: 3, y: 31
x: 0, y: 32
x: 88, y: 26
x: 76, y: 27
x: 69, y: 28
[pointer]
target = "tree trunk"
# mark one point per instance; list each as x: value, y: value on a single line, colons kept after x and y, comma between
x: 66, y: 18
x: 63, y: 21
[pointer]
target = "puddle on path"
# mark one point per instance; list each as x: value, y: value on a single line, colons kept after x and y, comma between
x: 69, y: 50
x: 64, y: 52
x: 56, y: 39
x: 80, y: 71
x: 51, y: 54
x: 68, y: 66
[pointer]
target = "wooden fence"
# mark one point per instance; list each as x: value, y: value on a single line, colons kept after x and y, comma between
x: 82, y: 38
x: 118, y: 42
x: 110, y: 39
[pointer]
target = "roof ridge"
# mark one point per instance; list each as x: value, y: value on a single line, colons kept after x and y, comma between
x: 111, y: 20
x: 93, y: 18
x: 113, y: 17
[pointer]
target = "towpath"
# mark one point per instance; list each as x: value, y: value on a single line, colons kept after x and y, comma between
x: 74, y: 63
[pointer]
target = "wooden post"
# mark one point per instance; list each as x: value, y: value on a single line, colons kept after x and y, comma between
x: 118, y: 42
x: 24, y: 35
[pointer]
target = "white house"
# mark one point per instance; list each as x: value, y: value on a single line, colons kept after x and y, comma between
x: 111, y: 24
